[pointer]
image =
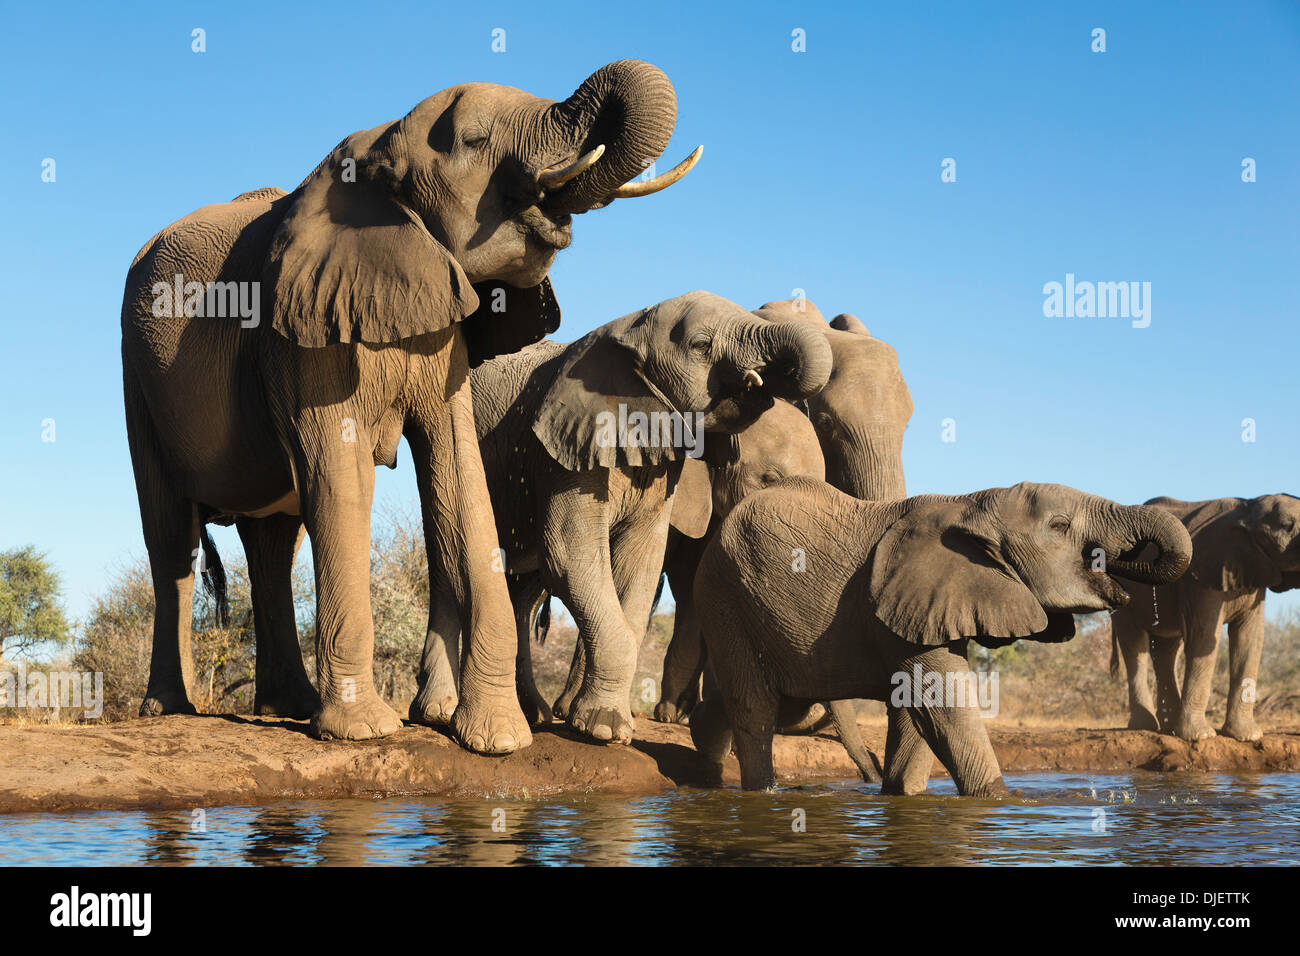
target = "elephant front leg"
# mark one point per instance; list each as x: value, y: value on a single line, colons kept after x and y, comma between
x: 1134, y: 648
x: 462, y: 543
x: 526, y: 594
x: 437, y: 691
x: 956, y: 733
x: 1245, y: 640
x: 336, y: 483
x: 1169, y: 704
x: 282, y: 687
x: 679, y: 691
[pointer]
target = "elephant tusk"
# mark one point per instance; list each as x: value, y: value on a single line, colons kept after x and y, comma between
x: 633, y: 190
x: 557, y: 176
x: 753, y: 379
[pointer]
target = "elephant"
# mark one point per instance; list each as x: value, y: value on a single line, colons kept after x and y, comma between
x: 860, y: 417
x: 1244, y: 547
x: 414, y: 251
x: 806, y: 593
x: 583, y: 495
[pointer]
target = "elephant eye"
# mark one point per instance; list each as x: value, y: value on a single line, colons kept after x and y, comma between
x: 474, y: 138
x: 770, y: 478
x: 701, y: 346
x: 1060, y: 524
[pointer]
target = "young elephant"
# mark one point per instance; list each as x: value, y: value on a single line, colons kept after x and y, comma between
x: 583, y: 503
x: 1242, y: 547
x: 814, y: 595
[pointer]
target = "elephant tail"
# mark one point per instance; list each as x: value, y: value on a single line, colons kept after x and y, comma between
x: 214, y: 576
x: 1114, y: 653
x: 542, y: 623
x: 654, y: 605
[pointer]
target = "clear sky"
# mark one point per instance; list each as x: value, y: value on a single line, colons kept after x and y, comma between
x: 822, y: 172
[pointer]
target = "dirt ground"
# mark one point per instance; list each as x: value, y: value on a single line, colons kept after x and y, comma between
x: 171, y: 762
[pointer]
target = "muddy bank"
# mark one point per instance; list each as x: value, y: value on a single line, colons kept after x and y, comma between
x: 172, y: 762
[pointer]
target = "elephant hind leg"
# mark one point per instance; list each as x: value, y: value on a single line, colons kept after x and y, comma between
x: 171, y: 537
x: 527, y: 595
x: 437, y: 691
x: 270, y: 546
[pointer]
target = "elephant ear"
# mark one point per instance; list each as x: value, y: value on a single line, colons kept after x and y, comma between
x: 599, y: 389
x: 693, y: 499
x: 1290, y: 582
x: 1225, y: 556
x: 936, y: 578
x: 509, y: 318
x: 350, y: 263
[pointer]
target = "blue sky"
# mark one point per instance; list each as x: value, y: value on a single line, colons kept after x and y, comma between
x: 821, y: 172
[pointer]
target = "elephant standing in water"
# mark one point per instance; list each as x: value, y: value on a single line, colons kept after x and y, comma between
x: 888, y: 590
x: 584, y: 477
x: 860, y: 417
x: 413, y: 251
x: 1242, y: 547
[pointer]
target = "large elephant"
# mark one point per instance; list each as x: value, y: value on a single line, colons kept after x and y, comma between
x: 583, y: 476
x: 860, y: 417
x: 815, y: 595
x: 1243, y: 548
x: 413, y: 251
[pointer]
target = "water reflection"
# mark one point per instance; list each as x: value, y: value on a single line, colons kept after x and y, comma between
x: 1125, y: 819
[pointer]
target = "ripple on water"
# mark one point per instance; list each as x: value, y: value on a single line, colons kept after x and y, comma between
x: 1062, y: 818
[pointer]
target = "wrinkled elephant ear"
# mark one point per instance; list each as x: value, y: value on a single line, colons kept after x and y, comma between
x: 509, y: 318
x: 598, y: 411
x: 693, y: 499
x: 1225, y: 556
x: 935, y: 578
x: 349, y: 263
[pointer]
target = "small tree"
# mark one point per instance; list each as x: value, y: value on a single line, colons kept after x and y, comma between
x: 31, y: 611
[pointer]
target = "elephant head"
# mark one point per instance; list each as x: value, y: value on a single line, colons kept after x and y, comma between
x: 456, y: 211
x: 644, y: 388
x: 1247, y: 543
x: 780, y: 444
x: 861, y: 414
x: 1016, y: 562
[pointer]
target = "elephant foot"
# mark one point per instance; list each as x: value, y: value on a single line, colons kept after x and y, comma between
x: 1195, y: 728
x: 603, y: 719
x: 491, y: 724
x: 159, y: 703
x: 433, y: 709
x: 296, y: 702
x: 668, y: 712
x: 1242, y: 728
x: 711, y: 774
x: 1143, y: 720
x: 364, y: 719
x: 563, y: 705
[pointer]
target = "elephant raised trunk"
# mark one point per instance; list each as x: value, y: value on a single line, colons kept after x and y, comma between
x: 790, y: 360
x: 629, y: 108
x: 1135, y: 527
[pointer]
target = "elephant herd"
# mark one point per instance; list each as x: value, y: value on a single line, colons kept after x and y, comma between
x: 754, y: 458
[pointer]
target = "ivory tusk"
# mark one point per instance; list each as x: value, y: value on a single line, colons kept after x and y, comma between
x: 557, y: 176
x: 633, y: 190
x: 753, y: 379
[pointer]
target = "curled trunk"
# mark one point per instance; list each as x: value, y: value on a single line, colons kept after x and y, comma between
x: 630, y: 108
x: 1133, y: 529
x: 793, y: 361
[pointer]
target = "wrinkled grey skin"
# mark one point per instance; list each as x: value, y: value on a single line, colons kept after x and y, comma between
x: 859, y: 417
x: 1243, y: 548
x: 586, y: 522
x: 889, y: 586
x: 370, y: 277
